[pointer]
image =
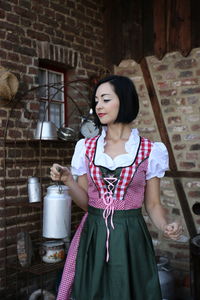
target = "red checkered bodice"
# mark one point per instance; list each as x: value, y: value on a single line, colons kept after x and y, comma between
x: 129, y: 189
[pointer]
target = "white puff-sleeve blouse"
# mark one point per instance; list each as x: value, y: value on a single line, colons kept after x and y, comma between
x: 158, y: 161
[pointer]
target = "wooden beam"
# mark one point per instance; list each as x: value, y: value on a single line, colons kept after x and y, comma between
x: 133, y: 30
x: 185, y: 174
x: 158, y: 113
x: 185, y: 207
x: 113, y: 37
x: 148, y: 28
x: 160, y: 28
x: 195, y: 23
x: 184, y: 34
x: 172, y: 26
x: 165, y: 139
x: 179, y: 26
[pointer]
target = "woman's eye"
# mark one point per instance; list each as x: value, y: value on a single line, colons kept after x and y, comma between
x: 106, y: 100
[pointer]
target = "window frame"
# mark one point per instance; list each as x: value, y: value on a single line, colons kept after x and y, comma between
x: 51, y: 66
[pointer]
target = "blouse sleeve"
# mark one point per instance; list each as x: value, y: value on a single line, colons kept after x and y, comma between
x: 158, y: 161
x: 78, y: 166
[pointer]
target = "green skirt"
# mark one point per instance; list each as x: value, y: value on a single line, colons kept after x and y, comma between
x: 131, y: 272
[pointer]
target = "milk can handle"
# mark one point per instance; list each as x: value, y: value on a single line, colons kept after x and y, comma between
x: 42, y: 251
x: 167, y: 269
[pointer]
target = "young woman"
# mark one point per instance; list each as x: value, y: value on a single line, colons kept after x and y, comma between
x: 111, y: 256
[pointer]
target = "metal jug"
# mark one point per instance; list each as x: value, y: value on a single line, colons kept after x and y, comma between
x: 34, y: 190
x: 57, y: 212
x: 166, y: 278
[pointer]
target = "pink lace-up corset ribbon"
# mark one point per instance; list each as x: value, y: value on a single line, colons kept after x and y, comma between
x: 109, y: 209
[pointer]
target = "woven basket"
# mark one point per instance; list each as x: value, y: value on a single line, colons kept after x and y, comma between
x: 9, y: 85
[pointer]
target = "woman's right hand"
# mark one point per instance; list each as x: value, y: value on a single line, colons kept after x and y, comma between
x: 60, y: 173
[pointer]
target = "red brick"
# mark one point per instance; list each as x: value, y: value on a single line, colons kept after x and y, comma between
x: 2, y: 35
x: 187, y: 165
x: 7, y: 123
x: 186, y: 64
x: 190, y: 156
x: 14, y: 134
x: 195, y: 127
x: 26, y: 22
x: 13, y: 18
x: 182, y: 256
x: 3, y: 113
x: 1, y: 133
x: 28, y: 172
x: 178, y: 245
x: 24, y: 3
x: 14, y: 173
x: 5, y: 6
x: 6, y: 45
x: 37, y: 35
x: 13, y: 56
x: 12, y: 27
x: 194, y: 194
x: 49, y: 12
x: 195, y: 147
x: 176, y: 138
x: 11, y: 192
x: 2, y: 14
x: 180, y: 147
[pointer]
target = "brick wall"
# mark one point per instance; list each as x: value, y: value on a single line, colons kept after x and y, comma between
x: 68, y: 33
x: 176, y: 80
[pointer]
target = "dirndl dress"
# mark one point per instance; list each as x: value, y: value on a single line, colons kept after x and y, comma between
x: 111, y: 256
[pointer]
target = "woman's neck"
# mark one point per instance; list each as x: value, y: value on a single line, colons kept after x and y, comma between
x: 118, y: 131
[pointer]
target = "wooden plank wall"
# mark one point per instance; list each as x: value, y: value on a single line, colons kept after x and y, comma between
x: 138, y: 28
x: 128, y: 30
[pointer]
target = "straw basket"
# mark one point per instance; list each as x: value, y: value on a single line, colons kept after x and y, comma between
x: 8, y: 86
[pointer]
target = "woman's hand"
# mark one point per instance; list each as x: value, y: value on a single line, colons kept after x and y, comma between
x: 77, y: 190
x: 60, y: 173
x: 173, y: 230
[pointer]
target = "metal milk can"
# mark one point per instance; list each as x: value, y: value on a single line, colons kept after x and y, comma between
x: 166, y: 278
x: 34, y: 190
x: 57, y: 212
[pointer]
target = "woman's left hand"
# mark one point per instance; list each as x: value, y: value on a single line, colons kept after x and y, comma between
x: 173, y: 230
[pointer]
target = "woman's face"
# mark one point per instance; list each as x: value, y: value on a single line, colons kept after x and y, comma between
x: 107, y: 104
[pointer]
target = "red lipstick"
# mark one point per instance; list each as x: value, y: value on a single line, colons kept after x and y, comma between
x: 101, y: 115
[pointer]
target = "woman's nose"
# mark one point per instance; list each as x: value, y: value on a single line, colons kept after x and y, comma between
x: 99, y: 105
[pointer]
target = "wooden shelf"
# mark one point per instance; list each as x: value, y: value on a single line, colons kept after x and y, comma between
x: 24, y: 204
x: 32, y: 162
x: 40, y: 268
x: 35, y: 142
x: 43, y: 268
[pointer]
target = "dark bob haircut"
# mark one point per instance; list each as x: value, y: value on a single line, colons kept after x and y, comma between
x: 128, y: 98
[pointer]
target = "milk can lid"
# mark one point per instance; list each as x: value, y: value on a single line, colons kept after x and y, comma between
x: 33, y: 179
x: 57, y: 188
x: 53, y: 243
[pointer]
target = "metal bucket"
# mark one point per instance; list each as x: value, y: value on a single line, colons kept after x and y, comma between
x: 166, y: 278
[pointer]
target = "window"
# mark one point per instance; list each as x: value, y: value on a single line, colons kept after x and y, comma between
x: 52, y: 94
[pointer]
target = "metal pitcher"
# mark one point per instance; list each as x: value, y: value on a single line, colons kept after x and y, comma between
x: 34, y: 190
